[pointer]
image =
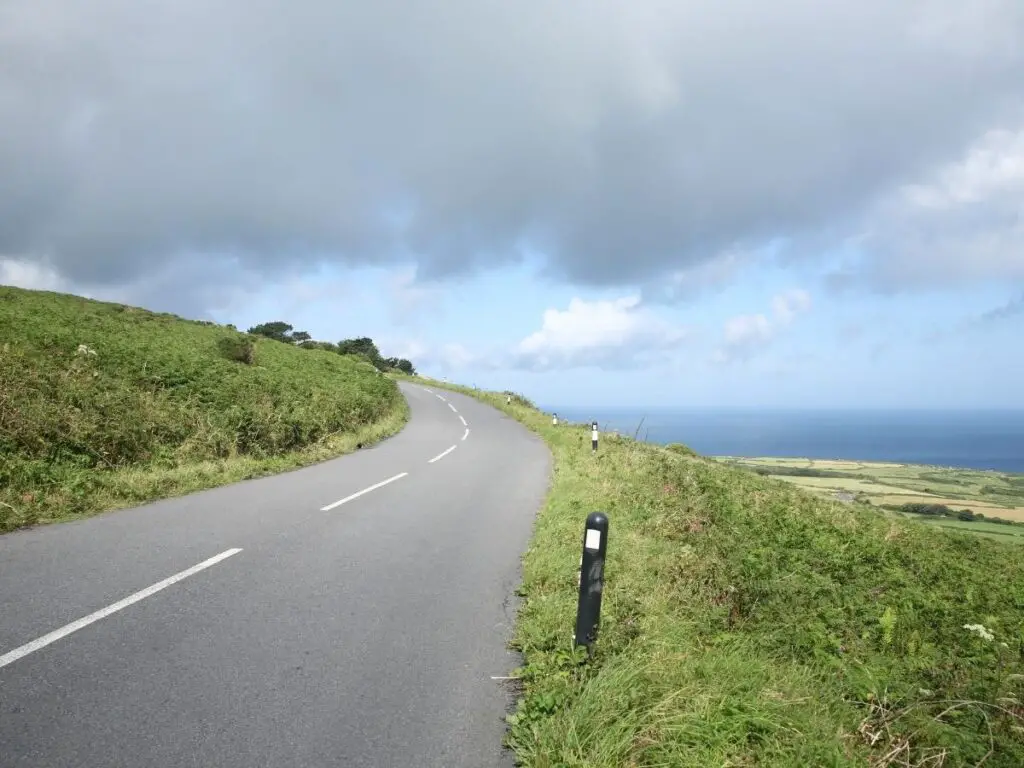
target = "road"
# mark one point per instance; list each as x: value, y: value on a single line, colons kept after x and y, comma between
x: 293, y: 620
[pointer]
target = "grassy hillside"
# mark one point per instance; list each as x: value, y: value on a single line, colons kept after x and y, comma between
x: 749, y: 622
x: 104, y: 405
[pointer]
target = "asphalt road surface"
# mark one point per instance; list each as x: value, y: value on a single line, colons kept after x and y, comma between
x: 353, y: 613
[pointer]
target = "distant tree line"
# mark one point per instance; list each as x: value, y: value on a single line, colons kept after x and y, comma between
x: 941, y: 510
x: 800, y: 472
x: 362, y: 347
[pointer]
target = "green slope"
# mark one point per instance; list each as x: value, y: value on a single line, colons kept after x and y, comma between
x: 104, y: 405
x: 749, y: 622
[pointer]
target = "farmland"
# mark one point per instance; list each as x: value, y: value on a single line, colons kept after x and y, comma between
x: 988, y: 495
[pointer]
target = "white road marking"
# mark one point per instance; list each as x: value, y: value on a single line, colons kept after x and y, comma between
x: 463, y: 420
x: 74, y: 626
x: 357, y: 494
x: 428, y: 390
x: 465, y: 434
x: 440, y: 397
x: 452, y: 407
x: 442, y: 454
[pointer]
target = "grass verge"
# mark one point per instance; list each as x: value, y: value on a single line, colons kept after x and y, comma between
x: 104, y: 406
x: 748, y: 622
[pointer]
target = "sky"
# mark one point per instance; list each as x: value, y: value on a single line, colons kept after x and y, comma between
x: 658, y: 203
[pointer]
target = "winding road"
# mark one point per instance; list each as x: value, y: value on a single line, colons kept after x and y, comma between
x: 352, y: 613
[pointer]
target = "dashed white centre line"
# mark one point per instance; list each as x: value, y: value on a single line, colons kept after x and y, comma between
x: 85, y: 621
x: 465, y: 434
x: 357, y: 494
x: 442, y: 454
x: 452, y: 407
x: 463, y: 420
x: 440, y: 397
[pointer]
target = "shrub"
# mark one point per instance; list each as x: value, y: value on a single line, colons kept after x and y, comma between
x: 237, y: 348
x: 682, y: 450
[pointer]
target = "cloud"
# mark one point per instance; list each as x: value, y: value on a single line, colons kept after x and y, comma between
x: 190, y: 286
x: 963, y: 223
x: 691, y: 282
x: 411, y: 299
x: 1012, y: 308
x: 27, y: 274
x: 979, y: 322
x: 447, y: 358
x: 625, y: 141
x: 608, y: 333
x: 745, y: 335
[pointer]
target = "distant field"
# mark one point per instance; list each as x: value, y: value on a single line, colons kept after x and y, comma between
x: 1001, y: 532
x: 852, y: 484
x: 992, y: 494
x: 989, y: 510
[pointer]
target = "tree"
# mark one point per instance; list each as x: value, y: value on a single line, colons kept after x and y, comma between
x: 359, y: 346
x: 280, y: 331
x: 406, y: 367
x: 277, y: 330
x: 363, y: 346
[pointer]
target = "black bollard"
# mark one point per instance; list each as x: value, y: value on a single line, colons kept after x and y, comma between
x: 595, y: 545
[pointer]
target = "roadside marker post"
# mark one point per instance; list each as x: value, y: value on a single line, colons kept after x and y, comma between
x: 595, y: 546
x: 593, y: 437
x: 554, y: 420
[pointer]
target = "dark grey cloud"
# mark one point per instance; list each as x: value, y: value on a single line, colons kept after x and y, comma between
x: 627, y: 141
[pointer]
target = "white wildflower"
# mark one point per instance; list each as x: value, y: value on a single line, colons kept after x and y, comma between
x: 979, y: 630
x: 84, y: 349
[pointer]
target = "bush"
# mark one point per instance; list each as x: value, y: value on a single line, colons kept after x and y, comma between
x: 682, y: 450
x: 237, y: 348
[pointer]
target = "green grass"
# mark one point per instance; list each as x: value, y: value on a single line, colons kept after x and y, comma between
x: 748, y: 622
x: 154, y: 406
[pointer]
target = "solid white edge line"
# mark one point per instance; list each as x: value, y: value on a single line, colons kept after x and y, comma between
x: 442, y: 454
x: 85, y: 621
x: 465, y: 434
x: 357, y: 494
x: 452, y: 407
x: 463, y: 420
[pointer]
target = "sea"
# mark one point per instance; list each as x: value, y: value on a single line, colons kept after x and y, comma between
x: 978, y: 439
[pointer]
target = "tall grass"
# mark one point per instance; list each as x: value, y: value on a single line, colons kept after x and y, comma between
x: 748, y: 622
x: 103, y: 405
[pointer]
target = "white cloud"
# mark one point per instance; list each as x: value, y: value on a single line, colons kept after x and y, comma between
x: 744, y: 335
x: 690, y: 282
x: 605, y: 333
x: 31, y: 275
x: 962, y: 223
x: 453, y: 356
x: 410, y: 298
x: 788, y: 305
x: 447, y: 358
